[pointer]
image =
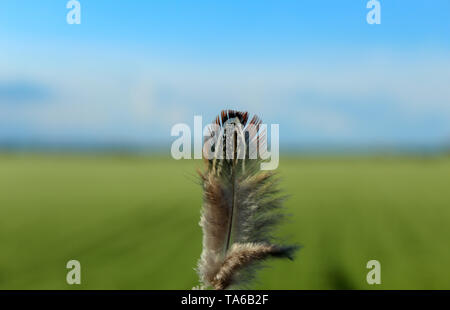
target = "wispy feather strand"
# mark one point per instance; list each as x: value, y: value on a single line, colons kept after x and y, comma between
x: 241, y: 206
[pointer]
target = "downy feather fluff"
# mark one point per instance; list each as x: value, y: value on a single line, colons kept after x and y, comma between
x: 241, y: 206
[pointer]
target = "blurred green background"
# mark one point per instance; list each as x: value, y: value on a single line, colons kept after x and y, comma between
x: 112, y: 88
x: 132, y: 222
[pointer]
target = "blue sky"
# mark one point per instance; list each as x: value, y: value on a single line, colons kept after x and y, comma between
x: 133, y: 69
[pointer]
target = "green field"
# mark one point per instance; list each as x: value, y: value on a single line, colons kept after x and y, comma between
x: 132, y: 222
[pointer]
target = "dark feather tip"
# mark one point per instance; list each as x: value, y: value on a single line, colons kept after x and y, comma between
x: 286, y: 252
x: 225, y: 115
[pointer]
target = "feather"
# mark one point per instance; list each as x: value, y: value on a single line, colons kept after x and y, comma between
x: 241, y: 205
